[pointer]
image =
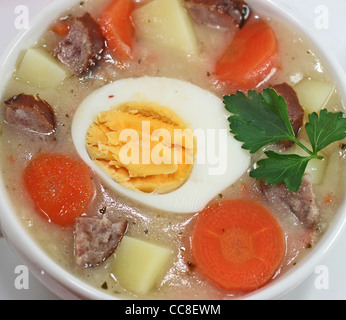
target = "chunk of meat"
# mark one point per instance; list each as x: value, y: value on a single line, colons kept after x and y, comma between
x: 295, y: 110
x: 219, y: 13
x: 30, y: 113
x: 302, y: 204
x: 96, y: 239
x: 83, y: 45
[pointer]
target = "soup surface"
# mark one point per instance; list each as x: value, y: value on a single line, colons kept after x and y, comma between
x: 196, y: 61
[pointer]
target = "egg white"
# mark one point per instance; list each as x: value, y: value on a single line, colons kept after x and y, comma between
x: 201, y: 110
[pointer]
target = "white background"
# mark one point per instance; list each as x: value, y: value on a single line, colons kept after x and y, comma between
x: 334, y: 37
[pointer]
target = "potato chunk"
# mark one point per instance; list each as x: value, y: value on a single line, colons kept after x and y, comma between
x: 316, y: 168
x: 166, y: 23
x: 313, y: 94
x: 138, y: 264
x: 40, y: 70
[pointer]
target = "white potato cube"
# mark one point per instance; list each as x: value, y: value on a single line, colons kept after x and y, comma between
x: 138, y: 264
x: 313, y: 94
x: 166, y: 23
x: 40, y: 70
x: 316, y: 168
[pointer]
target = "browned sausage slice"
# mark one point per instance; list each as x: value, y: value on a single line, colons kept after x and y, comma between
x: 96, y: 239
x: 219, y: 13
x: 32, y: 114
x: 295, y: 110
x: 302, y: 203
x: 83, y: 46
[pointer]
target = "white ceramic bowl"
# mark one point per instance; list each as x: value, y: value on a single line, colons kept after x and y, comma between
x: 66, y: 286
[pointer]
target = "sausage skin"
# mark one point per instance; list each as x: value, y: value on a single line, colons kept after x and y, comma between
x: 82, y: 47
x: 31, y: 114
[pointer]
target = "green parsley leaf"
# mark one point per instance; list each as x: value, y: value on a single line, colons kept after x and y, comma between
x: 325, y: 129
x: 277, y: 168
x: 259, y: 119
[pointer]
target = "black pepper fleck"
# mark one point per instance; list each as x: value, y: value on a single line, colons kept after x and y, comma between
x: 104, y: 285
x: 103, y: 210
x: 191, y: 265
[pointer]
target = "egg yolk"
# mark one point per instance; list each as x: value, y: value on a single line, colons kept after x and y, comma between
x: 142, y: 146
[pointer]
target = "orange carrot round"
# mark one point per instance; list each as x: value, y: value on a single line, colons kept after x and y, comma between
x: 60, y: 186
x: 61, y: 27
x: 250, y: 57
x: 238, y: 244
x: 116, y: 26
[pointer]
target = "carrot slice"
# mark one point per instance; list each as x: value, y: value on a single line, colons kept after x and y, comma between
x: 250, y: 57
x: 60, y: 186
x: 61, y: 27
x: 238, y: 244
x: 116, y: 26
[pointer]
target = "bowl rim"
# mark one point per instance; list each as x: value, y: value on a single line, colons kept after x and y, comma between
x: 30, y: 251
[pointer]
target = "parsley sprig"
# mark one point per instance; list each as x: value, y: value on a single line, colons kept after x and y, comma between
x: 261, y: 118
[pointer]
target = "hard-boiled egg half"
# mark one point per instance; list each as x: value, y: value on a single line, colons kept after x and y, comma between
x: 160, y: 141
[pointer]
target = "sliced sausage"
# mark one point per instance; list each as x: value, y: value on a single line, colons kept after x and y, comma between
x: 96, y: 239
x: 302, y: 203
x: 83, y: 46
x: 295, y: 110
x: 30, y: 113
x: 219, y: 13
